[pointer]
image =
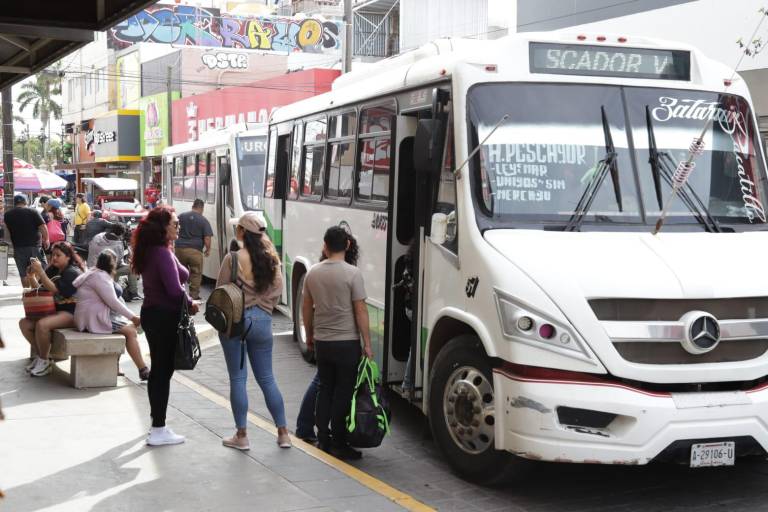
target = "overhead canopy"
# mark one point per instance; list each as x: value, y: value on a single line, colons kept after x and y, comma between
x: 36, y: 33
x: 112, y: 184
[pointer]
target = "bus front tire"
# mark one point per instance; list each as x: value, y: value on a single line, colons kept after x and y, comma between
x: 462, y: 415
x: 299, y: 333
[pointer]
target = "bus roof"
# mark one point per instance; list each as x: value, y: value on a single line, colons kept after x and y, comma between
x: 507, y: 56
x: 214, y: 138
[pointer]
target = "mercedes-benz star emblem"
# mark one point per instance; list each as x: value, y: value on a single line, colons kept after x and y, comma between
x: 702, y: 332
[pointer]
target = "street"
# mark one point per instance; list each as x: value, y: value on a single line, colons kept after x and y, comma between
x: 410, y: 462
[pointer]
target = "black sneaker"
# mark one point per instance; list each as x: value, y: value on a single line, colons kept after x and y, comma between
x: 345, y: 453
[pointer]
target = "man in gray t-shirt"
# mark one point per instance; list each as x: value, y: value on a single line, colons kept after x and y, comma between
x: 193, y: 244
x: 335, y: 318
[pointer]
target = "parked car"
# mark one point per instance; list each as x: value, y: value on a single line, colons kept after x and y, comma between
x: 127, y: 210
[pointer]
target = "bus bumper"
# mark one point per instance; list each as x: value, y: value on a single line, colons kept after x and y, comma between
x: 616, y: 424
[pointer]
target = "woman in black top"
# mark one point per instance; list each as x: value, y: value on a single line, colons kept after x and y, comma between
x: 58, y: 278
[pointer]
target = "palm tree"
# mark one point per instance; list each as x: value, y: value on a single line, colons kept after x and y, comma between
x: 40, y: 95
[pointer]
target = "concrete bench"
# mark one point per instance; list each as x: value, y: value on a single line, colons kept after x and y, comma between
x: 94, y: 357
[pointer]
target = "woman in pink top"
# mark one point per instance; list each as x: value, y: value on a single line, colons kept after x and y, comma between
x: 100, y: 311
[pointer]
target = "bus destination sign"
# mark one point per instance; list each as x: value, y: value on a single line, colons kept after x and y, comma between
x: 589, y: 60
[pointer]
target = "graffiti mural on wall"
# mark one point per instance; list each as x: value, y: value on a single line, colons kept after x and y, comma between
x: 195, y: 26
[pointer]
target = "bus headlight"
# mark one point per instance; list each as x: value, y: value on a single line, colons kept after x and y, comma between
x: 524, y: 324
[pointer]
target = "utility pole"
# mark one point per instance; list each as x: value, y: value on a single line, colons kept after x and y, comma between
x: 169, y: 101
x: 348, y: 38
x: 7, y: 102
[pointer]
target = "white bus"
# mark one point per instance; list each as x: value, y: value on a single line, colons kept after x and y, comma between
x: 225, y: 168
x: 526, y: 174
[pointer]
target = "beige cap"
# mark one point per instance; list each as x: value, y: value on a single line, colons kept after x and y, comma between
x: 251, y: 221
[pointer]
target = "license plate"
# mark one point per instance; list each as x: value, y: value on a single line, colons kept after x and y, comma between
x: 709, y: 455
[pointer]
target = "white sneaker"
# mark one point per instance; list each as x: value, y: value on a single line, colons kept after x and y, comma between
x: 159, y: 436
x: 42, y: 367
x: 31, y: 364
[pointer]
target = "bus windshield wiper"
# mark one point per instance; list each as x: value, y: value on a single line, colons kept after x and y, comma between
x: 603, y: 167
x: 662, y: 166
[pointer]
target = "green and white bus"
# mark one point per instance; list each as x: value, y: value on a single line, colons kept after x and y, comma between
x: 524, y: 176
x: 225, y: 168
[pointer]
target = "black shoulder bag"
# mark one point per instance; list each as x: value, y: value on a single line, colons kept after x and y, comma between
x: 187, y: 345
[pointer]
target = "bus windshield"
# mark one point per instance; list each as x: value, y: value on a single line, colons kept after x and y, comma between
x: 251, y: 153
x: 536, y: 166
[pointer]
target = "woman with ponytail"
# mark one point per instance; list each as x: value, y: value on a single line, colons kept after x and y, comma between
x: 259, y: 276
x: 305, y: 421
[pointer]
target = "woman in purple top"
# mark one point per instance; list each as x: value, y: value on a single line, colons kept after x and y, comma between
x: 164, y: 297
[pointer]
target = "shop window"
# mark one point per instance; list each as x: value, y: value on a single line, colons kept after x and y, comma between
x: 211, y: 179
x: 342, y: 163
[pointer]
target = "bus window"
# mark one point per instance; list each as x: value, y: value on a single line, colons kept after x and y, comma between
x: 293, y: 192
x: 342, y: 125
x: 269, y: 188
x: 251, y: 154
x: 190, y: 169
x: 446, y: 192
x: 210, y: 195
x: 314, y: 158
x: 381, y: 161
x: 178, y: 177
x: 341, y: 167
x: 200, y: 180
x: 377, y: 119
x: 374, y: 154
x: 341, y: 155
x: 373, y: 179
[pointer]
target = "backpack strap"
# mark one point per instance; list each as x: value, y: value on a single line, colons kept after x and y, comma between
x: 233, y: 262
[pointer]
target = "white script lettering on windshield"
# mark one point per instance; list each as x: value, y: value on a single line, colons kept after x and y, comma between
x: 731, y: 121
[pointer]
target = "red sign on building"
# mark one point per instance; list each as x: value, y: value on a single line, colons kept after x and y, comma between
x: 253, y: 103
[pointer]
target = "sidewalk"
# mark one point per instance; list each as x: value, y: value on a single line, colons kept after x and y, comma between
x: 63, y: 449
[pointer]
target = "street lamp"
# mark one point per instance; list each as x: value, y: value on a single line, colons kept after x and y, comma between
x: 42, y: 137
x: 24, y: 140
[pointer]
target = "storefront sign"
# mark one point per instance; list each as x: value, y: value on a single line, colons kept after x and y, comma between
x: 116, y: 136
x: 104, y: 137
x: 154, y: 123
x: 228, y: 61
x: 253, y: 104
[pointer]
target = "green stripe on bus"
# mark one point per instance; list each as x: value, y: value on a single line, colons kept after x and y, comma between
x: 276, y: 235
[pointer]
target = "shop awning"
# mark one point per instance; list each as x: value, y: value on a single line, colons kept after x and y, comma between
x: 109, y: 184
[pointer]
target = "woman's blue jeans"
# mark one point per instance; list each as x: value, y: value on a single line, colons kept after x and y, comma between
x: 258, y: 348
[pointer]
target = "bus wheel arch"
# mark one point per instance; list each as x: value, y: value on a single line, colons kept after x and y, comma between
x: 461, y: 406
x: 297, y: 286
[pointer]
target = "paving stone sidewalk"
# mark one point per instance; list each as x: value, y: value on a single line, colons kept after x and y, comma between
x: 63, y: 449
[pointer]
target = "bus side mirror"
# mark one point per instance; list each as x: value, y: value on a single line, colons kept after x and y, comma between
x: 225, y: 171
x: 438, y: 230
x: 427, y: 147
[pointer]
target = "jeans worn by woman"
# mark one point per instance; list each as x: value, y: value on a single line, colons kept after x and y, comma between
x: 259, y: 352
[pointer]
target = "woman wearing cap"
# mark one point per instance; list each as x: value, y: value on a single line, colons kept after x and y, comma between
x: 259, y: 277
x: 164, y: 298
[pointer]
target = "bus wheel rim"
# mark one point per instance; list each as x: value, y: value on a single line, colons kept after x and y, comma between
x: 468, y: 409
